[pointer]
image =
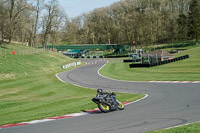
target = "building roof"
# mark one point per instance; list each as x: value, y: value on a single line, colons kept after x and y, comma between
x: 160, y: 53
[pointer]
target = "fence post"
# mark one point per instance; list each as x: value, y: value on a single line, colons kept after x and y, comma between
x: 5, y: 53
x: 156, y: 58
x: 148, y: 59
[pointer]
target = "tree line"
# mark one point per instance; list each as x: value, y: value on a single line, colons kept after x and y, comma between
x: 144, y: 22
x: 31, y: 21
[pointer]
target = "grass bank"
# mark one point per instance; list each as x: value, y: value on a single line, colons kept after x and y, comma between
x: 191, y: 128
x: 178, y: 45
x: 185, y: 70
x: 29, y: 89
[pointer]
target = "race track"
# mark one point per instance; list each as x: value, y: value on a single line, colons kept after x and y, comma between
x: 167, y: 105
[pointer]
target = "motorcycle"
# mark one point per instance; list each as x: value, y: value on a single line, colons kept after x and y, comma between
x: 107, y: 101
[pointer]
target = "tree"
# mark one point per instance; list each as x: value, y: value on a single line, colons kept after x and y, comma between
x: 51, y: 20
x: 57, y: 26
x: 2, y: 19
x: 15, y: 9
x: 39, y: 6
x: 182, y: 27
x: 193, y: 20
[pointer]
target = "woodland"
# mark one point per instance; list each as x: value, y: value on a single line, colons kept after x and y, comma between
x: 144, y: 22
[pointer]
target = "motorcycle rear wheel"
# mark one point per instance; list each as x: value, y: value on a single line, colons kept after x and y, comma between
x: 120, y: 105
x: 104, y: 107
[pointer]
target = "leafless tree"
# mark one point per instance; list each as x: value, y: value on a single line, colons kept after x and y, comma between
x: 38, y: 7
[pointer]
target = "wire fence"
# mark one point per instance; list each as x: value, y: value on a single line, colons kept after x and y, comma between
x: 4, y: 53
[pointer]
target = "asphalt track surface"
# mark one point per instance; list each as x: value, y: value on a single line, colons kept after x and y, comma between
x: 167, y: 105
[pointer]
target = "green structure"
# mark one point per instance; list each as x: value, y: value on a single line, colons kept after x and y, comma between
x: 89, y: 50
x: 75, y: 53
x: 92, y: 47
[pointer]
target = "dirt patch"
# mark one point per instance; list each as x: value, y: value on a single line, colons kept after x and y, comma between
x: 7, y: 76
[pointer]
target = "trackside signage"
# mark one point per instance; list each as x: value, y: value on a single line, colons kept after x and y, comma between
x: 71, y: 65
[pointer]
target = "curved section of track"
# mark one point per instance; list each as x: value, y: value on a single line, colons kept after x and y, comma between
x: 167, y: 105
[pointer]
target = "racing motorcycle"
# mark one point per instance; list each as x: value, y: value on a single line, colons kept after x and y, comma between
x: 107, y: 101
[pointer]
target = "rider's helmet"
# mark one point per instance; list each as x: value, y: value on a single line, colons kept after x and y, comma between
x: 100, y: 91
x: 113, y: 93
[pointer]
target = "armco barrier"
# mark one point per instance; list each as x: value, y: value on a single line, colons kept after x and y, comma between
x: 71, y: 64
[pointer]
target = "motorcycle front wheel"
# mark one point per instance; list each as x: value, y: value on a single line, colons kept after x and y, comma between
x: 120, y: 105
x: 104, y: 107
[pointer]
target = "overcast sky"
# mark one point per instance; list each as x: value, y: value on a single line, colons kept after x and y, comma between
x: 75, y: 8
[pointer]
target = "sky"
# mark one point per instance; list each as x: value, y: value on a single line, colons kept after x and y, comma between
x: 75, y: 8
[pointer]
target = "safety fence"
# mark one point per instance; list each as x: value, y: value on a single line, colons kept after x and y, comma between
x: 9, y: 52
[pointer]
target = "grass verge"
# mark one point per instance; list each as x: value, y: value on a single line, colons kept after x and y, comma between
x: 29, y: 89
x: 185, y: 70
x: 191, y: 128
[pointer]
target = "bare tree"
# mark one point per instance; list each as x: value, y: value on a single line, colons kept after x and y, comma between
x: 2, y: 19
x: 50, y: 20
x: 15, y: 8
x: 57, y: 25
x: 38, y: 7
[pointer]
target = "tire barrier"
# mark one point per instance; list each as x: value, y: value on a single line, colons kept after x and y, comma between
x: 128, y: 60
x: 92, y: 56
x: 131, y: 60
x: 116, y: 56
x: 159, y: 63
x: 71, y: 65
